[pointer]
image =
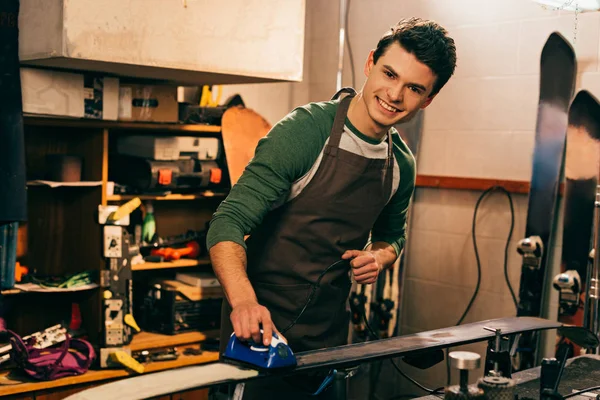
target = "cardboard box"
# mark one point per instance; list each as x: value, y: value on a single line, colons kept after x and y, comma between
x: 154, y: 103
x: 67, y: 94
x: 52, y: 92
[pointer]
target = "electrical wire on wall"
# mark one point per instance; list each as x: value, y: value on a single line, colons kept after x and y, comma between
x: 477, y: 259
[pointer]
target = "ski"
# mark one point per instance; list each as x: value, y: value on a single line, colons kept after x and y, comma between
x: 13, y: 201
x: 557, y: 82
x: 172, y: 381
x: 581, y: 180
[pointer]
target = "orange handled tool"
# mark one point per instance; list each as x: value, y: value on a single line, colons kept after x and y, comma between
x: 191, y: 250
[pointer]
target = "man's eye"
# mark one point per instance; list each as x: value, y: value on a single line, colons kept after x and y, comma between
x: 415, y: 89
x: 389, y: 74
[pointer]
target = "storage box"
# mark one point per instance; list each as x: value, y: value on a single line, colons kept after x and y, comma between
x: 67, y: 94
x: 155, y: 103
x: 164, y: 148
x: 170, y: 307
x: 52, y: 92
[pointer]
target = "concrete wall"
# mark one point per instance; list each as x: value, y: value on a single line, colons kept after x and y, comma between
x: 481, y: 125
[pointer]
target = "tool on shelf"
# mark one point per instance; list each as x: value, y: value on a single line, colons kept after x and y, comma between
x: 117, y: 283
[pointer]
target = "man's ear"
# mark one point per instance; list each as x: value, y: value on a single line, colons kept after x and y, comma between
x: 428, y: 101
x: 369, y: 64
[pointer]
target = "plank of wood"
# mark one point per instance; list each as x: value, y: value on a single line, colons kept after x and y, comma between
x: 453, y: 182
x: 150, y: 340
x: 168, y: 197
x: 32, y: 120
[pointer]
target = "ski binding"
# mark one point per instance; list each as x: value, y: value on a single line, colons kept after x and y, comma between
x: 532, y: 250
x: 568, y: 285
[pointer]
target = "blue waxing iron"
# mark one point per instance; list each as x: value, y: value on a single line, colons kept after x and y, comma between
x: 277, y: 355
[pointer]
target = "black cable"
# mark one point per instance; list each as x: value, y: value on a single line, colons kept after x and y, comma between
x: 311, y: 294
x: 371, y: 331
x: 512, y: 224
x: 411, y: 380
x: 349, y: 46
x: 474, y: 237
x: 581, y: 392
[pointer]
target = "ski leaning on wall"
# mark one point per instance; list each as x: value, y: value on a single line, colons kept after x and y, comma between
x: 581, y: 178
x: 557, y: 82
x: 13, y: 197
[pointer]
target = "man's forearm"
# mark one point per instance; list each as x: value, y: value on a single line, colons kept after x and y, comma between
x: 229, y: 263
x: 384, y: 253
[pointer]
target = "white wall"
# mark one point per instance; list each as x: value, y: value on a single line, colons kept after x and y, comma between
x: 481, y: 125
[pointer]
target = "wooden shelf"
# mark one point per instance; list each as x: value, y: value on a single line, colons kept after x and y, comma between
x: 150, y: 340
x: 31, y: 119
x: 107, y: 374
x: 10, y: 291
x: 452, y: 182
x: 182, y: 263
x: 171, y: 197
x: 141, y: 341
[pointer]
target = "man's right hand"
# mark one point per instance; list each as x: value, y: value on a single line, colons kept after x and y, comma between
x: 246, y: 319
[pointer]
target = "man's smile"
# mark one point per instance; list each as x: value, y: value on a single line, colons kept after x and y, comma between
x: 387, y: 107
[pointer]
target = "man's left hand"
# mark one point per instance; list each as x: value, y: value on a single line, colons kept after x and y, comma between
x: 365, y: 266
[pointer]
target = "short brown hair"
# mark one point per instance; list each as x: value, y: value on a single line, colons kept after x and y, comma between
x: 428, y: 42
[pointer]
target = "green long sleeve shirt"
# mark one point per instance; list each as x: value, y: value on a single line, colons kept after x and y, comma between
x: 288, y: 157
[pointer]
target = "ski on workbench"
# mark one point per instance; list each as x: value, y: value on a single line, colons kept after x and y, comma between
x: 172, y: 381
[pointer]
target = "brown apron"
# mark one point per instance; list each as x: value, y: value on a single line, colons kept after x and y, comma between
x: 296, y: 242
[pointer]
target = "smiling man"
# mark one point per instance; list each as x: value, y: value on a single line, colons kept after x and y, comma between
x: 327, y: 178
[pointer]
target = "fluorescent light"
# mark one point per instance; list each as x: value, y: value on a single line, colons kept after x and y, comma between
x: 570, y: 5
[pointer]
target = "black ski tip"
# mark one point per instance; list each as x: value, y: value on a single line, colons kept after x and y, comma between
x: 558, y: 71
x: 557, y: 41
x: 585, y: 111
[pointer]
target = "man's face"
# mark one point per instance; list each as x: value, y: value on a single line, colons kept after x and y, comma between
x: 397, y: 86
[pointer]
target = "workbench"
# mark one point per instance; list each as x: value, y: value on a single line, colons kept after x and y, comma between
x: 580, y: 373
x: 16, y: 386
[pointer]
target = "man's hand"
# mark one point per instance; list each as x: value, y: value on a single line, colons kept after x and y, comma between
x: 246, y: 319
x: 365, y: 266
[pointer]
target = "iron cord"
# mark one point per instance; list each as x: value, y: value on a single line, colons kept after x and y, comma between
x: 474, y: 236
x: 371, y: 331
x: 311, y: 294
x: 411, y: 380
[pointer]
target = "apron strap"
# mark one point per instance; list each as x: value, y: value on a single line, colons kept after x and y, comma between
x: 338, y: 124
x: 348, y: 90
x: 340, y: 120
x: 390, y: 156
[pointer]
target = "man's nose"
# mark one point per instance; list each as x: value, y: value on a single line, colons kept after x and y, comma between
x: 395, y: 93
